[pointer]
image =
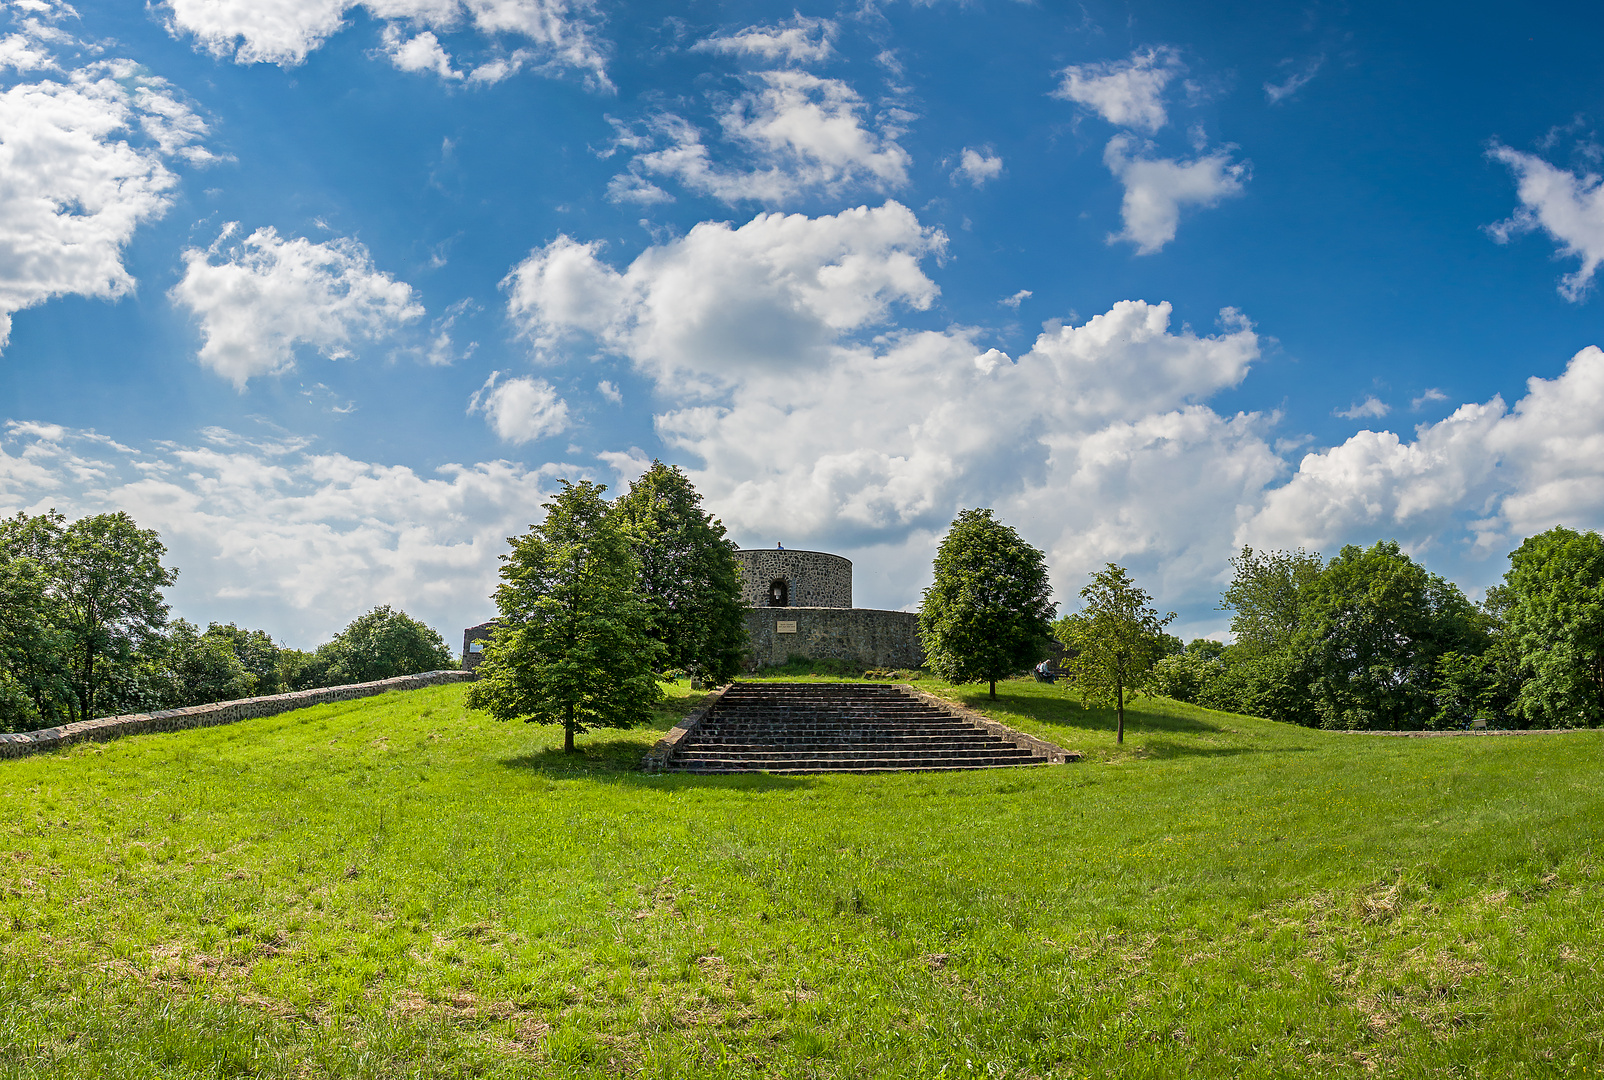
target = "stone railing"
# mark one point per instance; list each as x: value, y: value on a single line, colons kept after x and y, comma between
x: 657, y: 757
x: 24, y: 743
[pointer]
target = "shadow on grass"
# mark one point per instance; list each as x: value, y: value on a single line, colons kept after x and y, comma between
x: 1163, y: 750
x: 1064, y: 710
x: 619, y: 760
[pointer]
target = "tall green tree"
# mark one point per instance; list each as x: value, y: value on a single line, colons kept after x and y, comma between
x: 104, y: 579
x: 1551, y: 607
x: 1266, y: 597
x: 382, y: 644
x: 199, y: 668
x: 574, y: 645
x: 1375, y: 624
x: 1114, y: 641
x: 988, y: 613
x: 688, y: 575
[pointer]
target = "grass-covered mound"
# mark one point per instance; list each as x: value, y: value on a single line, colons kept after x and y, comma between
x: 398, y: 887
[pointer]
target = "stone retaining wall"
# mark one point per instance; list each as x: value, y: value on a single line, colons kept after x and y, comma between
x: 883, y: 639
x: 105, y: 728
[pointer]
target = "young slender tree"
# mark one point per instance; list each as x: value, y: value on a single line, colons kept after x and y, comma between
x: 1114, y: 640
x: 573, y: 647
x: 989, y: 612
x: 688, y: 575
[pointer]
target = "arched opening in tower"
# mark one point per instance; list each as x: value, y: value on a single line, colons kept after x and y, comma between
x: 779, y: 593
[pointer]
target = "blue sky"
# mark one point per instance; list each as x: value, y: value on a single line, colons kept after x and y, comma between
x: 332, y: 293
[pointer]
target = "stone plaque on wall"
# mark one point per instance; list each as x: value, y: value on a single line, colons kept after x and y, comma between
x: 785, y: 626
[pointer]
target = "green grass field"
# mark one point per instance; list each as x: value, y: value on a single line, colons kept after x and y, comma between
x: 399, y: 887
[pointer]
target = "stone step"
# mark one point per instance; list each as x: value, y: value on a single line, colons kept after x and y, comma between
x: 830, y: 767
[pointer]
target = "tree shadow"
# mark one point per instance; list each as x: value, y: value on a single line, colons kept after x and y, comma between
x: 619, y: 760
x: 1165, y: 750
x: 1062, y: 709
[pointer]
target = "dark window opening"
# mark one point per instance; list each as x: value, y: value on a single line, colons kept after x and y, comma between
x: 779, y: 593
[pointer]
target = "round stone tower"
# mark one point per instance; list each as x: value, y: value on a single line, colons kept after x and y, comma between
x: 779, y: 578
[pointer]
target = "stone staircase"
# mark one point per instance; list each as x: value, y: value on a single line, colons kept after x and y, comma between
x: 841, y: 727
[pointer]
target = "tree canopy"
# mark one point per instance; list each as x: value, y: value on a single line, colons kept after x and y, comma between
x: 1114, y: 641
x: 1551, y: 606
x: 573, y: 646
x: 688, y: 575
x: 988, y: 613
x: 1266, y: 596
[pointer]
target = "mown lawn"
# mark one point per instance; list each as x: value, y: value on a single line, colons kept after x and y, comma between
x: 399, y: 887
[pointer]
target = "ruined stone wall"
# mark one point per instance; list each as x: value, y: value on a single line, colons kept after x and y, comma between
x: 815, y: 578
x: 105, y: 728
x: 883, y: 639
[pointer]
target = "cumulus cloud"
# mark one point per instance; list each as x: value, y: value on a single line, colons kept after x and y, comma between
x: 779, y: 366
x: 1371, y: 406
x: 977, y: 167
x: 1127, y: 92
x: 798, y: 39
x: 1479, y: 480
x: 83, y: 163
x: 1015, y: 300
x: 560, y: 33
x: 722, y: 300
x: 1568, y: 206
x: 797, y: 134
x: 520, y: 410
x: 276, y: 534
x: 1428, y: 397
x: 257, y: 301
x: 1157, y: 188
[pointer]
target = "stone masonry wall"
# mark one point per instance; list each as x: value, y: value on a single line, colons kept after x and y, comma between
x: 884, y: 639
x: 816, y: 579
x: 105, y: 728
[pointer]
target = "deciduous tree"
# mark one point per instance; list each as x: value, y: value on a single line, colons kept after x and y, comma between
x: 988, y: 613
x: 1266, y: 597
x: 1552, y: 609
x: 573, y: 646
x: 1114, y: 640
x: 688, y: 575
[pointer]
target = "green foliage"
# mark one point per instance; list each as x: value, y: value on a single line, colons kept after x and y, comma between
x: 381, y: 644
x: 688, y: 575
x: 257, y: 655
x: 1114, y: 641
x: 196, y: 668
x: 1374, y: 625
x: 1267, y: 594
x: 101, y: 614
x: 1551, y: 606
x: 988, y: 614
x: 573, y: 646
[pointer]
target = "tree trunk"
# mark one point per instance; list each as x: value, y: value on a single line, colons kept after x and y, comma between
x: 1119, y: 707
x: 994, y: 688
x: 568, y: 730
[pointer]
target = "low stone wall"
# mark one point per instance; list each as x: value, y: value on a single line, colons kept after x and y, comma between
x: 105, y: 728
x: 885, y: 639
x: 657, y: 757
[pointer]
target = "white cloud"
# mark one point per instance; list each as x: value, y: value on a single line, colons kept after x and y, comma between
x: 609, y: 391
x: 1569, y: 207
x: 270, y: 295
x: 1427, y: 397
x: 1015, y: 300
x: 977, y: 167
x: 1371, y: 406
x: 1128, y: 92
x: 24, y: 53
x: 800, y: 134
x: 1157, y: 188
x: 721, y: 300
x: 1297, y: 80
x: 1478, y: 481
x: 781, y: 370
x: 422, y: 52
x: 797, y: 40
x: 277, y: 535
x: 520, y: 410
x: 83, y: 163
x: 562, y: 32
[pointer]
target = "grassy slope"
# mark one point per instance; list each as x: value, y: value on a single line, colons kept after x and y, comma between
x: 396, y: 887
